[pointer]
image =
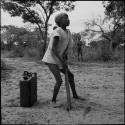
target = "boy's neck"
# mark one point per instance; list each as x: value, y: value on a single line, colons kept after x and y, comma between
x: 63, y: 27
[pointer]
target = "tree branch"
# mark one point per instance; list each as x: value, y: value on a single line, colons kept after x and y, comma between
x: 105, y: 36
x: 100, y: 27
x: 42, y: 14
x: 50, y: 12
x: 102, y: 31
x: 34, y: 18
x: 42, y: 7
x: 24, y: 6
x: 116, y: 25
x: 32, y: 15
x: 95, y: 30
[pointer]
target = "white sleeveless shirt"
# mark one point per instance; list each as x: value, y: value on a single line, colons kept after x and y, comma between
x: 65, y: 40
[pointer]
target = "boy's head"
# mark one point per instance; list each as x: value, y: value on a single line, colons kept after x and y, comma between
x: 62, y: 19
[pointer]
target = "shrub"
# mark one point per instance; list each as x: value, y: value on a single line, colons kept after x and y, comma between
x: 106, y: 57
x: 3, y: 65
x: 31, y: 53
x: 16, y: 52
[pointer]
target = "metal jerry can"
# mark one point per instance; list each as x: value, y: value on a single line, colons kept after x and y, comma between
x: 28, y: 89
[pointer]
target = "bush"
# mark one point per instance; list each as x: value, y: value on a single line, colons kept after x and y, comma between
x: 96, y: 54
x: 118, y: 56
x: 3, y: 65
x: 16, y: 52
x: 106, y: 56
x: 31, y: 53
x: 40, y: 49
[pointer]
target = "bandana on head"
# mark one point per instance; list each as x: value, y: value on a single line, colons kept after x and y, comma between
x: 59, y: 17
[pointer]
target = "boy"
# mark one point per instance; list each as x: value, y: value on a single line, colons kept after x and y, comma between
x: 56, y: 54
x: 79, y: 50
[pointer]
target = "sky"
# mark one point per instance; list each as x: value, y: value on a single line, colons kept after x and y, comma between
x: 84, y: 11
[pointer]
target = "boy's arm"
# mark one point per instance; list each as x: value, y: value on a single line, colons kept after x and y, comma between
x: 54, y: 49
x: 65, y: 55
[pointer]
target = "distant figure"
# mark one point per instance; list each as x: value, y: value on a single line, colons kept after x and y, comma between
x: 79, y: 50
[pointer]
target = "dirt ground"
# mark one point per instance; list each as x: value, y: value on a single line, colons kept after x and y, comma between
x: 101, y: 84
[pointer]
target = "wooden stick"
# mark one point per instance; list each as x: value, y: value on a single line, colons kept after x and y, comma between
x: 67, y: 91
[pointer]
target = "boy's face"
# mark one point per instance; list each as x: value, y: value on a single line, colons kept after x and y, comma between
x: 65, y: 20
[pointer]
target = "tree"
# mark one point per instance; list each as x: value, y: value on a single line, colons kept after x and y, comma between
x: 115, y: 12
x: 96, y: 27
x: 93, y: 44
x: 19, y: 36
x: 10, y: 34
x: 115, y: 21
x: 47, y: 8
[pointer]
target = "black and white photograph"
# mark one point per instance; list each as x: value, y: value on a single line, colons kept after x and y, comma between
x: 62, y: 62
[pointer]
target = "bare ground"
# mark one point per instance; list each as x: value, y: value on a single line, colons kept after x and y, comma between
x: 101, y: 84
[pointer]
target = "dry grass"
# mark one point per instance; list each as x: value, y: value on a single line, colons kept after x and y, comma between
x: 89, y: 54
x: 101, y: 84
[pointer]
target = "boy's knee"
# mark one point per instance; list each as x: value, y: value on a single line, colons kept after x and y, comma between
x: 58, y: 83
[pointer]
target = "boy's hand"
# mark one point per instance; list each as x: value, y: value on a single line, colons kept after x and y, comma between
x: 65, y: 66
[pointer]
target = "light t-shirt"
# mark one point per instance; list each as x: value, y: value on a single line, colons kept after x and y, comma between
x: 65, y: 40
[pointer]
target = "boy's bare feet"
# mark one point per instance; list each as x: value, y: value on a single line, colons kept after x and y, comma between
x: 79, y: 98
x: 54, y: 104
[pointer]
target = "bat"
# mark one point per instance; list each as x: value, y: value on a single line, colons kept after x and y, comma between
x: 67, y: 91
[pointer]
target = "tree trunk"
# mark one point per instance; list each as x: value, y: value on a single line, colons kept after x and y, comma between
x: 41, y: 44
x: 45, y: 39
x: 8, y: 44
x: 110, y: 47
x: 110, y: 42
